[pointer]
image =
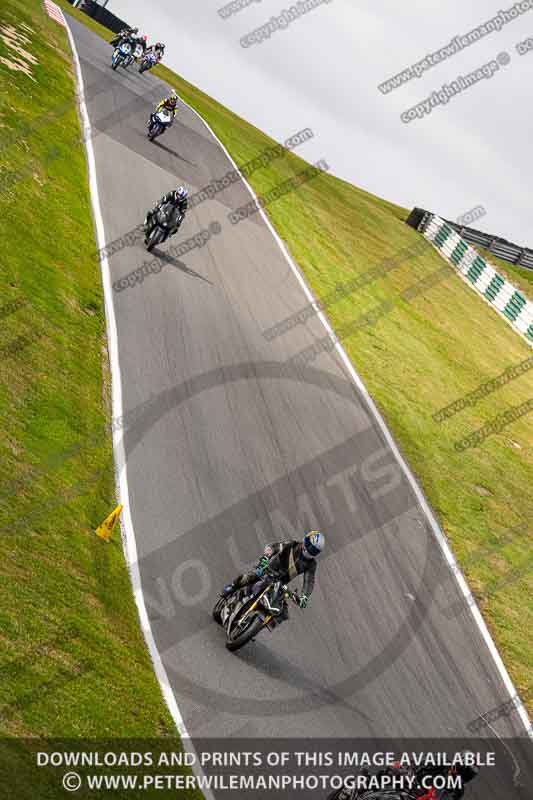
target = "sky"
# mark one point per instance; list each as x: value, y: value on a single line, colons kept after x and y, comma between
x: 323, y: 70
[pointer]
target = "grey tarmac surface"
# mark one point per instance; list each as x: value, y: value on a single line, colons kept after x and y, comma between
x: 232, y: 448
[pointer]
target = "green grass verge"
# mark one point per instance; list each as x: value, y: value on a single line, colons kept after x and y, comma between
x: 423, y: 355
x: 73, y: 661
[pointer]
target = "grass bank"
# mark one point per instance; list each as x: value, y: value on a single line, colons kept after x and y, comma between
x: 72, y: 659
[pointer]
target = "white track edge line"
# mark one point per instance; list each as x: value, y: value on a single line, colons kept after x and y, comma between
x: 130, y: 545
x: 439, y: 535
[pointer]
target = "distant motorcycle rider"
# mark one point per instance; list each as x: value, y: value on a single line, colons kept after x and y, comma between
x: 286, y: 560
x: 125, y: 33
x: 178, y: 198
x: 142, y: 42
x: 155, y: 50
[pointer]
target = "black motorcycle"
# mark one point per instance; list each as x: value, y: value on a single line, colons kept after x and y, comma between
x: 247, y: 611
x: 163, y: 223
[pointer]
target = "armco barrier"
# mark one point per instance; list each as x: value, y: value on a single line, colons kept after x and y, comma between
x: 507, y: 251
x: 493, y: 287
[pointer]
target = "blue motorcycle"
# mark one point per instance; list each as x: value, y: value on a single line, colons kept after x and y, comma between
x: 122, y: 56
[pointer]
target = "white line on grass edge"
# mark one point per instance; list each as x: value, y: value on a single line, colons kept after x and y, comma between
x: 128, y: 538
x: 116, y: 392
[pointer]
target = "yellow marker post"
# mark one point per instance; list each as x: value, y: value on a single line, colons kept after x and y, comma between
x: 105, y: 530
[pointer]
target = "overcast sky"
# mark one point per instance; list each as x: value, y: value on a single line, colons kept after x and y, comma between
x: 323, y: 71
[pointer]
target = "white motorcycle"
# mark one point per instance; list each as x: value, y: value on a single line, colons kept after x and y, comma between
x: 159, y: 122
x: 148, y: 61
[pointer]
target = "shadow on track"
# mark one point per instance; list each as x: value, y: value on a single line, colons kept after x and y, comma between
x: 157, y: 143
x: 175, y: 262
x: 264, y: 660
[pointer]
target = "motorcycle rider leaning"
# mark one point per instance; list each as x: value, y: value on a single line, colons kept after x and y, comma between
x: 287, y: 560
x: 169, y: 104
x: 155, y: 51
x: 178, y: 198
x: 125, y: 33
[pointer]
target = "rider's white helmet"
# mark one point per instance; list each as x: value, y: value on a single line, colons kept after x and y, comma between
x: 313, y: 544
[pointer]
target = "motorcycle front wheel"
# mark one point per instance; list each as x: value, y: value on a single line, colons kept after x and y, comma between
x: 156, y: 236
x: 239, y: 636
x: 157, y: 131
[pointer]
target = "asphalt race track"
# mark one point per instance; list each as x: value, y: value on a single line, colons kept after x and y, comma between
x: 232, y: 446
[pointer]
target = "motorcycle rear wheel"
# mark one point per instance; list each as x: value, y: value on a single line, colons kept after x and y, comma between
x: 156, y: 236
x: 240, y: 639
